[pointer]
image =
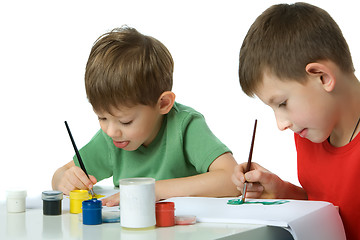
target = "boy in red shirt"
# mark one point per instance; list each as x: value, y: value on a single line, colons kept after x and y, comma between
x: 296, y: 60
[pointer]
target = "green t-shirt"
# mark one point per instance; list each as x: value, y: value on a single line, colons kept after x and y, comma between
x: 184, y: 146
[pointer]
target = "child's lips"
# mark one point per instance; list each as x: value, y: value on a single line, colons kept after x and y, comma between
x: 303, y: 133
x: 120, y: 144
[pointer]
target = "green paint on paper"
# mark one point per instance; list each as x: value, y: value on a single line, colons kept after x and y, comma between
x: 238, y: 201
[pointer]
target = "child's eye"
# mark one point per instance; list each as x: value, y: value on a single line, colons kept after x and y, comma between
x: 101, y: 119
x: 126, y: 123
x: 282, y: 104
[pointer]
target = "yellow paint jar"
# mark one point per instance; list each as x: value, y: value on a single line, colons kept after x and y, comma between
x: 76, y: 199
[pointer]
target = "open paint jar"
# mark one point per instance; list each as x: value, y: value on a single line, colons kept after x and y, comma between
x: 16, y: 201
x: 52, y: 202
x: 76, y: 199
x: 92, y: 212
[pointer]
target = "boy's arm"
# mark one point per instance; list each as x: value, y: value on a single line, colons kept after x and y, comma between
x: 70, y: 177
x: 265, y: 184
x: 214, y: 183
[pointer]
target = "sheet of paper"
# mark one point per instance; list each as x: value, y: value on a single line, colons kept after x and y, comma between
x: 304, y: 219
x: 217, y: 210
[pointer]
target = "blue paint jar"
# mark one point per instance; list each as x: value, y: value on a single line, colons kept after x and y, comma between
x: 92, y: 212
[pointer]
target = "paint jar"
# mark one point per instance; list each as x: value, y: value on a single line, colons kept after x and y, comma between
x: 137, y: 203
x: 165, y: 214
x: 16, y: 201
x: 92, y: 212
x: 76, y: 199
x: 52, y: 202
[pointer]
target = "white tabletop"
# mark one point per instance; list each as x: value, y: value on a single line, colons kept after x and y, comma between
x: 32, y: 224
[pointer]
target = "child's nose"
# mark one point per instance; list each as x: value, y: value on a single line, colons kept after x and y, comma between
x: 282, y: 123
x: 114, y: 131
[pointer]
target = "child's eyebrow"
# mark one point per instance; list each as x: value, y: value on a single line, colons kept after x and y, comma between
x: 273, y: 99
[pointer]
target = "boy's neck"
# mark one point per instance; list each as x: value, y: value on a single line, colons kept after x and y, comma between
x: 348, y: 98
x: 155, y: 131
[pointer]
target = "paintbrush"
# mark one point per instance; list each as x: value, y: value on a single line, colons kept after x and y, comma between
x: 91, y: 191
x: 248, y: 166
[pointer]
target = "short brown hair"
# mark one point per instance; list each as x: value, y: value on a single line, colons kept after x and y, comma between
x: 127, y: 68
x: 284, y: 39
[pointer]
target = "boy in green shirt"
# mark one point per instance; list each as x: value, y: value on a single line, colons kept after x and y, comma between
x: 144, y: 132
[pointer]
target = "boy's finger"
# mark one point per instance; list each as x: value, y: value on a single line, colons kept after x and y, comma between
x: 257, y: 176
x: 253, y: 194
x: 239, y: 174
x: 238, y: 183
x: 81, y: 181
x: 64, y: 189
x: 242, y: 167
x: 93, y: 179
x: 255, y: 187
x: 111, y: 201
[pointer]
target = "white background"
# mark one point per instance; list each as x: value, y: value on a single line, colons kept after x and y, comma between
x: 44, y: 48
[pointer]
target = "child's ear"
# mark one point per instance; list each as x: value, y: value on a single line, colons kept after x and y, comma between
x: 166, y: 102
x: 324, y: 73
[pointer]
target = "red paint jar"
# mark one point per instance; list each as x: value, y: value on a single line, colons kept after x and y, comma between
x: 165, y: 214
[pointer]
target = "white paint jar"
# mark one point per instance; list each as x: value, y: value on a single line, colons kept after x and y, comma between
x: 137, y: 202
x: 16, y: 201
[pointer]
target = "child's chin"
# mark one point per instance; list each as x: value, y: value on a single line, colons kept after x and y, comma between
x: 316, y: 140
x: 130, y: 148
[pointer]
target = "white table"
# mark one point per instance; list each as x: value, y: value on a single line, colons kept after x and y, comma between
x: 32, y: 224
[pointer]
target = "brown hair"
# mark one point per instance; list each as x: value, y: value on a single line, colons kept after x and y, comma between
x: 127, y: 68
x: 284, y: 39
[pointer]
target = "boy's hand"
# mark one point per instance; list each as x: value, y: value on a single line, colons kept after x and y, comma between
x: 70, y: 177
x: 261, y: 182
x: 111, y: 201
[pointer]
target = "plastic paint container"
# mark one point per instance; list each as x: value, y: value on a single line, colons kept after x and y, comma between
x: 52, y: 202
x: 16, y: 201
x: 137, y: 203
x: 185, y: 220
x: 110, y: 216
x: 165, y: 214
x: 92, y: 212
x: 76, y: 199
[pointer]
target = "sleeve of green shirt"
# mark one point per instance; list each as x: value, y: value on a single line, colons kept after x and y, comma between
x: 202, y: 147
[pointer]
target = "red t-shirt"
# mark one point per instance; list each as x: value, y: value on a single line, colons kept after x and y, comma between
x: 332, y: 174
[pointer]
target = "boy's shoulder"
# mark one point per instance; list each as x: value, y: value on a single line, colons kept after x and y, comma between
x: 183, y: 119
x: 182, y: 111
